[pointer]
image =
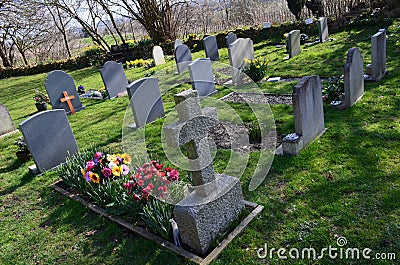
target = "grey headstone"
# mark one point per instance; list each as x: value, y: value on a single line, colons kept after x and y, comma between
x: 183, y: 57
x: 266, y: 25
x: 230, y: 38
x: 201, y: 76
x: 58, y: 81
x: 49, y: 138
x: 217, y: 199
x: 308, y: 114
x: 6, y: 123
x: 353, y: 77
x: 177, y: 43
x: 378, y: 53
x: 158, y: 55
x: 238, y: 51
x: 211, y: 48
x: 323, y: 29
x: 145, y: 101
x: 293, y: 43
x: 114, y: 78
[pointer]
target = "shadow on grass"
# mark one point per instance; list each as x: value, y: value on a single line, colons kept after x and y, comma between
x: 26, y: 178
x: 97, y: 238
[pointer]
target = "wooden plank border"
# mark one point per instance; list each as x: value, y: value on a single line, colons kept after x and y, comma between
x: 160, y: 241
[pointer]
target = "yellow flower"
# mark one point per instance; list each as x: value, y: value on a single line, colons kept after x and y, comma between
x: 116, y: 171
x: 258, y: 66
x: 111, y: 158
x: 83, y: 172
x: 127, y: 158
x: 94, y: 177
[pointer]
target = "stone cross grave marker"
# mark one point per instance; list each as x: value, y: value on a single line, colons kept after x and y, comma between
x: 68, y: 99
x: 56, y: 84
x: 177, y: 43
x: 230, y: 38
x: 238, y: 51
x: 323, y: 29
x: 211, y: 48
x: 49, y: 138
x: 145, y: 101
x: 6, y: 123
x: 217, y: 199
x: 353, y: 78
x: 114, y: 78
x: 377, y: 69
x: 158, y: 55
x: 308, y: 115
x: 293, y: 43
x: 183, y: 57
x: 201, y: 76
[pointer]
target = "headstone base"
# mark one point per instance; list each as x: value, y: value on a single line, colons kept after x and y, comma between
x: 201, y: 219
x: 368, y: 78
x: 293, y: 147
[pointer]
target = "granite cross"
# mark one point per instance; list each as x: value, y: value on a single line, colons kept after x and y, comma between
x: 191, y: 131
x: 68, y: 100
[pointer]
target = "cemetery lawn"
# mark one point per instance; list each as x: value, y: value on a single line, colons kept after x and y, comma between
x: 344, y: 184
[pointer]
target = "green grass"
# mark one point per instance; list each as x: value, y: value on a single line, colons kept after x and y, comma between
x: 347, y: 183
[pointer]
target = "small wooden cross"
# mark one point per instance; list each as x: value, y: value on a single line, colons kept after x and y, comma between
x: 68, y: 100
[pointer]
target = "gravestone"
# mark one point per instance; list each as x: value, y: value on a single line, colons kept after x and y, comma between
x: 158, y: 55
x: 323, y: 29
x: 238, y: 51
x: 353, y: 79
x: 177, y: 43
x: 49, y: 138
x: 309, y: 21
x: 230, y: 38
x: 377, y: 69
x: 201, y: 76
x: 56, y: 84
x: 308, y: 115
x: 114, y: 78
x: 293, y: 43
x: 145, y: 101
x: 211, y: 48
x: 183, y: 57
x: 6, y: 123
x: 266, y: 25
x: 217, y: 200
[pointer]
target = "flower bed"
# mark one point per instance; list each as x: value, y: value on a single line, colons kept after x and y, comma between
x: 134, y: 198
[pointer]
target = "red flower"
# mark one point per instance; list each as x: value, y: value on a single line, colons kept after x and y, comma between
x: 138, y: 176
x: 173, y: 175
x: 159, y: 166
x: 168, y: 169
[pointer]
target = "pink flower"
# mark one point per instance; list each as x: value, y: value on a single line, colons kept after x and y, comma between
x: 98, y: 155
x: 140, y: 182
x: 90, y: 165
x: 125, y: 185
x: 136, y: 197
x: 107, y: 172
x: 153, y: 170
x: 149, y: 187
x: 162, y: 188
x: 125, y: 170
x: 138, y: 176
x: 149, y: 176
x: 173, y: 175
x: 145, y: 194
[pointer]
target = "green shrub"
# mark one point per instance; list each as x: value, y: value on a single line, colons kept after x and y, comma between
x: 334, y: 90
